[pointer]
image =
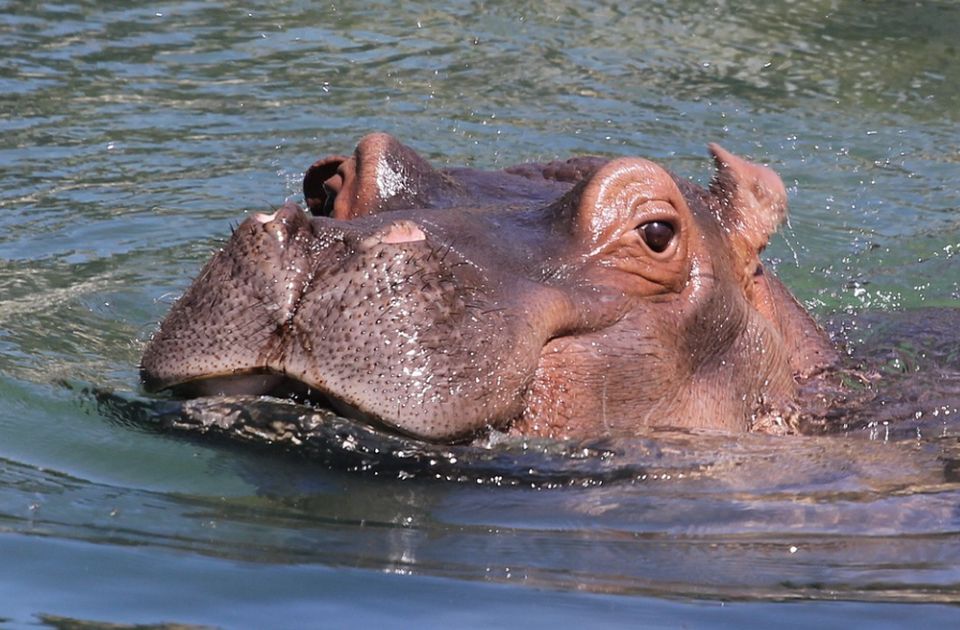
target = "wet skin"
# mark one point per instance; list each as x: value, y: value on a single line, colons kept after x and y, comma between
x: 572, y: 299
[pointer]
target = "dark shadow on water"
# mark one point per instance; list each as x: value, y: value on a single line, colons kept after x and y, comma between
x: 901, y: 384
x: 58, y: 622
x: 347, y: 445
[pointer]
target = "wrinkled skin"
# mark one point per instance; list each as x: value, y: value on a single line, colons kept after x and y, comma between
x: 571, y: 299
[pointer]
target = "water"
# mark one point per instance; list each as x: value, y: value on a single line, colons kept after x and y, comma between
x: 132, y: 138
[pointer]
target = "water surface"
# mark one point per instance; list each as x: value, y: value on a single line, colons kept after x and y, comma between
x: 132, y: 137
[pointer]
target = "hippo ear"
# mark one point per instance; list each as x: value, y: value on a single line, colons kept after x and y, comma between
x: 382, y: 175
x: 750, y: 201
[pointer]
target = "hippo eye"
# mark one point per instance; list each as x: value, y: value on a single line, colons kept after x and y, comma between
x: 657, y: 235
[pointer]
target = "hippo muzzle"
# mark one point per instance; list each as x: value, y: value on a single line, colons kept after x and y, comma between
x: 379, y: 318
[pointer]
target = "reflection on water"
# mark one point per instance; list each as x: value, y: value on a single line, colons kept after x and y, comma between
x: 712, y: 516
x: 797, y: 518
x: 131, y: 137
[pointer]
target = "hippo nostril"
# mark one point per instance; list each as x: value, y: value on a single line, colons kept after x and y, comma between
x: 404, y: 232
x: 283, y: 223
x: 396, y: 233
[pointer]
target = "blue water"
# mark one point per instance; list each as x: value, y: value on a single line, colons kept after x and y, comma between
x: 132, y: 138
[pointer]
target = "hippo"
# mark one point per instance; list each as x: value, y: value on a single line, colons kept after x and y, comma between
x: 570, y: 299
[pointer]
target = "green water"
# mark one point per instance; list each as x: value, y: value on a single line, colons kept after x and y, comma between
x: 132, y: 138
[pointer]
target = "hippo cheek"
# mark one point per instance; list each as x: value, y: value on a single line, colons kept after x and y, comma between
x: 418, y: 337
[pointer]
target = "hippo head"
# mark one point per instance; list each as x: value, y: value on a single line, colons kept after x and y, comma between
x: 569, y: 299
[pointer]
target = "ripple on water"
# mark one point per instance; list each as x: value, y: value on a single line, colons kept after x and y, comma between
x: 132, y: 136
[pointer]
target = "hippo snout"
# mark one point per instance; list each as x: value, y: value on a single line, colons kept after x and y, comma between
x: 382, y: 320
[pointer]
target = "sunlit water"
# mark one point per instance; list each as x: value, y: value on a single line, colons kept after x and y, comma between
x: 132, y: 138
